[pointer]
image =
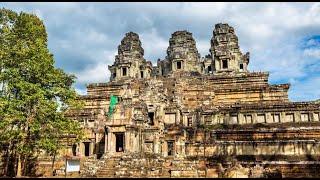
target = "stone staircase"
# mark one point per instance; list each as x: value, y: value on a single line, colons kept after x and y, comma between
x: 90, y: 167
x: 134, y: 165
x: 110, y: 168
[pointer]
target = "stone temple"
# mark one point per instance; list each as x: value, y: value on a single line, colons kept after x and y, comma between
x: 193, y: 116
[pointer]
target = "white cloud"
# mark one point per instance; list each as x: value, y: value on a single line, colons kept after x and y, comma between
x: 272, y: 32
x: 312, y: 52
x: 81, y: 91
x: 98, y: 73
x: 314, y: 13
x: 154, y: 45
x: 203, y: 47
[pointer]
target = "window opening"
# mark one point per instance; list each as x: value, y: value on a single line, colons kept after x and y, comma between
x: 179, y: 65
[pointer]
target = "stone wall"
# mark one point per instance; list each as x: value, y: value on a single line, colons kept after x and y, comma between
x: 192, y: 111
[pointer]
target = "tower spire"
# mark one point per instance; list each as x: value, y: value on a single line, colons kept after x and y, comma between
x: 225, y: 50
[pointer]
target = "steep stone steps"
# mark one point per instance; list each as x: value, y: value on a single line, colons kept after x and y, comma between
x: 106, y: 172
x: 110, y: 168
x: 135, y: 166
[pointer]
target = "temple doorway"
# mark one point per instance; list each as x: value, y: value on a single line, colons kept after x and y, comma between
x: 170, y: 148
x: 119, y: 142
x: 101, y: 146
x: 86, y: 148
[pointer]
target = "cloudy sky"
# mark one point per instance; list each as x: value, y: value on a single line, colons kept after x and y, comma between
x: 282, y: 38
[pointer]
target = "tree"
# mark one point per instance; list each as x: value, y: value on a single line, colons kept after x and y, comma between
x: 35, y: 96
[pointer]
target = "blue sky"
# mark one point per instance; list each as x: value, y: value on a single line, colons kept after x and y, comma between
x: 282, y: 38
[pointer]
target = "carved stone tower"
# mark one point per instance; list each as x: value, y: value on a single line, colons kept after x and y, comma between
x: 129, y: 63
x: 182, y: 53
x: 225, y: 50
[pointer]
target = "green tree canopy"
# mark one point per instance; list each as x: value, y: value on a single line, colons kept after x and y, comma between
x: 34, y: 94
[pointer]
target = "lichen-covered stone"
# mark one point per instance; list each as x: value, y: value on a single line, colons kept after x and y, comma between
x: 196, y: 117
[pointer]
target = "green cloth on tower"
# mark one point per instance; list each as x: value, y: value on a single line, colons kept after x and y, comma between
x: 113, y: 103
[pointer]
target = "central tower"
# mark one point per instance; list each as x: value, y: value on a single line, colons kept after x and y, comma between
x: 225, y: 50
x: 182, y: 52
x: 130, y: 63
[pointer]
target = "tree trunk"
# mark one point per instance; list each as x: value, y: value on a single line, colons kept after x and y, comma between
x: 19, y: 169
x: 5, y: 173
x: 14, y: 159
x: 52, y: 167
x: 24, y: 166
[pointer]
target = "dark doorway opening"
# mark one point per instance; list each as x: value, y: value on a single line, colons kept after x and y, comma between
x: 209, y: 69
x: 179, y: 65
x: 224, y: 64
x: 170, y: 148
x: 101, y: 149
x: 241, y: 66
x: 74, y: 150
x: 141, y: 74
x: 151, y: 117
x: 114, y: 75
x: 86, y: 148
x: 119, y: 142
x: 124, y: 71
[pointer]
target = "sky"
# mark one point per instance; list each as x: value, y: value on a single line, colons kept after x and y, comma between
x: 282, y: 38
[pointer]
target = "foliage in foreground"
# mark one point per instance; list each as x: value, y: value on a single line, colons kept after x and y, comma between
x: 34, y: 95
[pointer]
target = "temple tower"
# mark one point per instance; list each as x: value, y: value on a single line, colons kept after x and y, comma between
x: 225, y: 50
x: 129, y: 63
x: 182, y: 54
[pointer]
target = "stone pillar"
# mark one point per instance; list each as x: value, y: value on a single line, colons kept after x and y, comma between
x: 136, y: 141
x: 96, y: 143
x: 254, y: 118
x: 241, y: 119
x: 316, y: 116
x: 183, y: 148
x: 156, y: 117
x: 184, y: 120
x: 282, y: 117
x: 155, y: 145
x: 108, y: 140
x: 129, y: 146
x: 127, y: 140
x: 176, y: 148
x: 81, y: 148
x: 111, y: 144
x: 173, y: 66
x: 297, y: 116
x: 227, y: 119
x: 269, y: 118
x: 119, y: 71
x: 140, y: 140
x: 91, y: 148
x: 217, y: 65
x: 164, y: 149
x: 177, y: 117
x: 201, y: 119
